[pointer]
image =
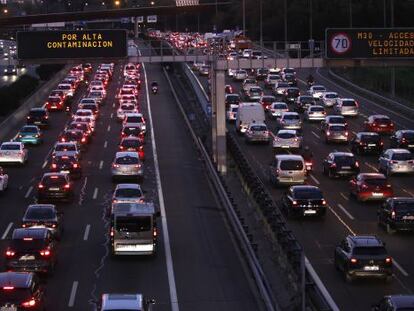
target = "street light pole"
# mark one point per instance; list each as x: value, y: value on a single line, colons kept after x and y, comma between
x: 244, y: 17
x: 350, y: 14
x: 261, y: 23
x: 310, y: 20
x: 384, y: 4
x: 393, y: 67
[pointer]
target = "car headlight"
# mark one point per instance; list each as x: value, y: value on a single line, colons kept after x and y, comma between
x: 5, y: 70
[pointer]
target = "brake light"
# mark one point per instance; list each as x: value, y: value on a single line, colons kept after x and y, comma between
x: 393, y: 214
x: 354, y: 260
x: 75, y: 165
x: 356, y: 164
x: 137, y: 165
x: 154, y: 233
x: 388, y: 260
x: 115, y: 165
x: 364, y: 186
x: 346, y: 133
x: 30, y: 303
x: 54, y: 177
x: 111, y: 233
x: 10, y: 253
x: 333, y: 165
x: 40, y: 186
x: 323, y: 202
x: 27, y: 239
x: 8, y: 287
x: 83, y: 139
x: 67, y: 186
x: 45, y: 253
x: 328, y: 133
x: 54, y: 165
x: 374, y: 124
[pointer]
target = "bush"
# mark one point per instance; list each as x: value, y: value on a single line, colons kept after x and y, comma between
x: 45, y: 72
x: 12, y: 95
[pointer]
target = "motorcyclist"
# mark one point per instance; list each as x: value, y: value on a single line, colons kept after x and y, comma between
x: 307, y: 154
x: 154, y: 84
x: 311, y: 80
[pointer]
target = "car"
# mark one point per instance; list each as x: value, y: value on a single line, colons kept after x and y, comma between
x: 397, y: 214
x: 247, y: 53
x: 125, y: 108
x: 127, y: 164
x: 332, y: 119
x: 346, y: 107
x: 132, y: 302
x: 76, y: 136
x: 379, y: 124
x: 231, y: 113
x: 288, y: 70
x: 287, y: 169
x: 228, y: 89
x: 337, y: 133
x: 43, y: 216
x: 257, y: 133
x: 13, y: 152
x: 290, y: 94
x: 21, y: 291
x: 84, y: 113
x: 99, y: 96
x: 129, y: 99
x: 403, y: 139
x: 394, y: 303
x: 367, y: 142
x: 129, y: 69
x: 266, y: 101
x: 271, y: 79
x: 290, y: 79
x: 317, y: 91
x: 94, y: 107
x: 68, y: 164
x: 87, y: 67
x: 10, y: 70
x: 303, y: 201
x: 315, y: 113
x: 135, y: 119
x: 31, y: 249
x: 82, y: 126
x: 280, y: 87
x: 303, y: 102
x: 134, y: 144
x: 247, y: 84
x: 393, y: 161
x: 58, y: 93
x: 257, y: 55
x: 232, y: 99
x: 363, y: 256
x: 127, y: 193
x: 287, y: 140
x: 30, y: 134
x: 370, y: 186
x: 261, y: 73
x: 55, y: 186
x: 289, y: 121
x: 277, y: 108
x: 328, y: 99
x: 38, y: 117
x: 54, y: 103
x: 67, y: 89
x: 338, y: 164
x: 4, y: 180
x: 240, y: 75
x: 254, y: 93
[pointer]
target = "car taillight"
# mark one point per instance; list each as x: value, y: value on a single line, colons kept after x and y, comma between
x: 83, y: 139
x: 111, y: 233
x: 294, y: 202
x: 354, y: 260
x: 28, y: 117
x: 388, y: 186
x: 75, y: 165
x: 8, y: 287
x: 323, y: 202
x: 45, y: 252
x: 346, y: 133
x: 393, y: 215
x: 115, y: 165
x: 54, y: 165
x: 333, y: 165
x: 40, y: 186
x: 388, y: 260
x: 67, y: 186
x: 154, y: 232
x: 30, y: 303
x: 356, y: 164
x: 141, y: 148
x: 137, y: 165
x: 10, y: 253
x: 328, y: 133
x: 374, y: 124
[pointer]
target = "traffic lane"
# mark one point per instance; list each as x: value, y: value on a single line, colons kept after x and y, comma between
x: 9, y: 79
x: 211, y: 278
x: 147, y: 275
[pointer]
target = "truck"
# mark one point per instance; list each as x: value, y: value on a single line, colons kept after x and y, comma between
x: 241, y: 43
x: 133, y: 228
x: 249, y: 113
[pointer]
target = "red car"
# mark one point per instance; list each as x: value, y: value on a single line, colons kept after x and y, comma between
x: 132, y: 143
x: 54, y: 103
x: 228, y: 89
x: 370, y: 186
x: 267, y: 101
x: 379, y: 124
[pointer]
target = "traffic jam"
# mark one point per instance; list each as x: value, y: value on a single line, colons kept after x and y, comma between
x: 301, y: 136
x: 31, y: 252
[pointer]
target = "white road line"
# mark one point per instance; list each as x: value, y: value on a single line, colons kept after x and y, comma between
x: 398, y: 266
x: 86, y: 234
x: 344, y: 196
x: 314, y: 179
x: 112, y: 115
x: 166, y: 237
x: 371, y: 166
x: 113, y: 105
x: 346, y: 212
x: 341, y: 220
x: 109, y: 128
x: 28, y: 192
x: 72, y: 296
x: 95, y: 193
x: 105, y: 144
x: 316, y: 135
x: 101, y: 164
x: 6, y: 232
x: 44, y: 164
x: 408, y: 192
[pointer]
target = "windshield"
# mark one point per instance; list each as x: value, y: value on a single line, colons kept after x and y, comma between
x: 348, y: 103
x: 399, y: 156
x: 65, y: 147
x: 291, y: 117
x: 128, y: 193
x: 29, y: 129
x: 404, y: 206
x: 37, y: 113
x: 126, y: 160
x: 408, y: 135
x: 330, y: 95
x: 369, y: 251
x: 133, y: 224
x: 291, y: 165
x: 258, y: 128
x: 376, y: 181
x: 10, y: 147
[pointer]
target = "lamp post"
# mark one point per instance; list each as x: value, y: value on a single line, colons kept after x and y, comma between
x: 261, y: 23
x: 350, y: 14
x: 244, y: 17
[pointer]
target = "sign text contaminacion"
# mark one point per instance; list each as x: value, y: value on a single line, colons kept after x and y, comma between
x: 87, y: 40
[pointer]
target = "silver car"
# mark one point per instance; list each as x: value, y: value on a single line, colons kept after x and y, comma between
x: 257, y: 132
x: 315, y: 113
x: 240, y: 75
x: 131, y: 302
x: 287, y: 140
x: 128, y: 193
x: 254, y: 93
x: 336, y: 133
x: 70, y: 148
x: 277, y: 108
x: 287, y: 169
x: 396, y: 161
x: 135, y: 120
x: 231, y: 114
x: 125, y: 108
x: 13, y: 152
x: 280, y: 87
x: 289, y: 121
x: 317, y: 91
x: 329, y: 99
x: 346, y: 107
x: 128, y: 165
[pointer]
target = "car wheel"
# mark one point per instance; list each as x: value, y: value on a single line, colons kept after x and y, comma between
x: 331, y: 174
x: 389, y: 229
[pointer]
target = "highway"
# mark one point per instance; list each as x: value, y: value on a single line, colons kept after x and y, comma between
x: 345, y: 216
x: 197, y: 266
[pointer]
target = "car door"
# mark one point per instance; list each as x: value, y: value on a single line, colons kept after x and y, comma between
x: 383, y: 160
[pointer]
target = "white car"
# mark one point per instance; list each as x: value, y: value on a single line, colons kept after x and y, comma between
x: 277, y: 108
x: 329, y: 99
x: 135, y: 120
x: 315, y: 113
x: 257, y: 132
x: 67, y: 89
x: 317, y: 91
x: 280, y: 87
x: 247, y: 53
x: 125, y: 108
x: 287, y: 140
x: 4, y: 179
x: 394, y: 161
x: 231, y: 114
x: 240, y: 75
x: 128, y: 193
x: 84, y: 113
x: 13, y: 152
x: 346, y: 107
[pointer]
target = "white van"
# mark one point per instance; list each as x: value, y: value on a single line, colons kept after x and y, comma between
x: 287, y: 169
x: 247, y: 113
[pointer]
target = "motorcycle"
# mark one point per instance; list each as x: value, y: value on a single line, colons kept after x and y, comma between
x: 310, y: 83
x: 309, y: 166
x: 154, y: 90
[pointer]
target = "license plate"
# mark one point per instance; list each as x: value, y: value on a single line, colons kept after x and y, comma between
x: 371, y: 268
x: 8, y: 309
x: 54, y: 189
x: 310, y: 212
x: 65, y: 172
x: 346, y: 167
x: 285, y: 146
x: 371, y: 145
x: 37, y: 122
x: 26, y: 258
x: 377, y: 194
x: 410, y: 146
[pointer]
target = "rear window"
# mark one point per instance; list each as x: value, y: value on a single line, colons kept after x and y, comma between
x: 53, y: 180
x: 293, y: 91
x: 131, y: 143
x: 371, y: 138
x: 127, y: 107
x: 132, y: 131
x: 128, y: 193
x: 331, y: 95
x: 282, y: 84
x: 15, y: 295
x: 382, y: 120
x: 274, y: 77
x: 21, y: 245
x: 376, y: 181
x: 30, y: 129
x: 345, y: 160
x: 319, y: 88
x: 10, y: 147
x: 402, y: 156
x: 291, y: 165
x: 127, y: 160
x: 255, y: 90
x: 317, y: 109
x: 348, y: 103
x: 37, y: 113
x: 259, y: 128
x: 370, y: 251
x: 337, y: 120
x: 312, y: 194
x: 286, y: 135
x: 133, y: 224
x: 337, y: 128
x: 280, y: 106
x: 134, y: 120
x: 408, y: 135
x: 291, y: 117
x: 53, y: 99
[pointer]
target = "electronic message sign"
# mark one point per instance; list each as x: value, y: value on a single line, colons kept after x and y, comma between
x: 369, y: 43
x: 72, y: 44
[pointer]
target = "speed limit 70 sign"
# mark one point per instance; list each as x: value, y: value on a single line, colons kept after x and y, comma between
x: 340, y: 43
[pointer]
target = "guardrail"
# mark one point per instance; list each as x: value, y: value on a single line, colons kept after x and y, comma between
x: 33, y: 100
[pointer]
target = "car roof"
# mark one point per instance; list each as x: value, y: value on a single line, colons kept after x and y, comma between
x: 365, y: 240
x: 344, y: 98
x: 38, y: 109
x: 129, y: 208
x: 288, y: 157
x: 36, y: 233
x: 120, y: 154
x: 257, y: 123
x: 16, y: 279
x: 379, y: 116
x: 12, y: 143
x: 287, y: 131
x: 289, y: 113
x: 54, y: 174
x: 371, y: 175
x: 304, y: 187
x: 397, y: 150
x: 368, y: 133
x: 340, y: 153
x: 407, y: 199
x: 128, y: 186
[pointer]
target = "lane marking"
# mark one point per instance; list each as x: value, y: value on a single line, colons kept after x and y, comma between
x: 314, y: 179
x: 346, y: 212
x: 398, y: 266
x: 113, y: 105
x: 6, y: 232
x: 28, y: 192
x: 105, y: 144
x: 371, y: 166
x: 109, y: 128
x: 316, y: 135
x: 408, y: 192
x: 101, y: 164
x: 86, y: 234
x: 166, y: 237
x: 95, y: 193
x: 44, y: 164
x: 342, y: 221
x: 72, y: 296
x: 112, y: 115
x: 344, y: 196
